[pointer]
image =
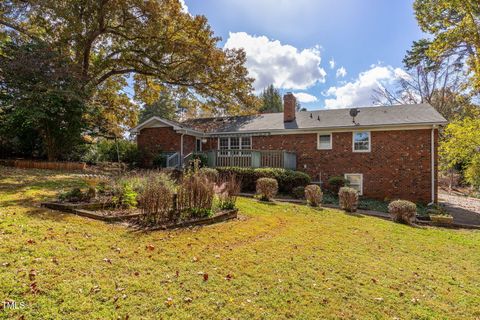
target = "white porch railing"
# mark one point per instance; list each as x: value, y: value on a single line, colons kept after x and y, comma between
x: 252, y: 158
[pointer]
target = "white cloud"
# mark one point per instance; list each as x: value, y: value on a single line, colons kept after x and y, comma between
x: 304, y: 97
x: 341, y: 72
x: 359, y: 92
x: 184, y: 6
x: 332, y: 63
x: 284, y: 66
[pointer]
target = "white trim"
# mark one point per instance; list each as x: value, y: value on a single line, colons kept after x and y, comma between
x: 331, y: 129
x: 369, y: 141
x: 324, y: 134
x: 361, y: 180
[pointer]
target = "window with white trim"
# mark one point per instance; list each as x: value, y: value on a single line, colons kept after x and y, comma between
x: 324, y: 141
x: 234, y: 143
x: 361, y: 141
x: 355, y: 181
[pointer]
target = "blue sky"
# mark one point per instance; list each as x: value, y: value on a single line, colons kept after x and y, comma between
x: 293, y: 44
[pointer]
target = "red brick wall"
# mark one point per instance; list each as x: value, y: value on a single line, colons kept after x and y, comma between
x: 398, y: 166
x: 153, y: 140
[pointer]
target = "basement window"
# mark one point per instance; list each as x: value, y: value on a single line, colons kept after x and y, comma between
x: 355, y: 181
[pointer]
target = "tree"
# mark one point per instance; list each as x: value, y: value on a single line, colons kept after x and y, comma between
x: 461, y: 147
x: 271, y: 100
x: 441, y: 83
x: 154, y: 43
x: 165, y: 107
x: 454, y: 25
x: 41, y: 100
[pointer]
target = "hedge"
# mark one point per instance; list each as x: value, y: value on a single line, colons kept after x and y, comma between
x: 287, y: 179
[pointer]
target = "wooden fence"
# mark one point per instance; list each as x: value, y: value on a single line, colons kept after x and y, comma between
x: 31, y: 164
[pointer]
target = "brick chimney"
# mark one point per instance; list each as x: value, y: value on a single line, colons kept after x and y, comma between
x: 289, y: 105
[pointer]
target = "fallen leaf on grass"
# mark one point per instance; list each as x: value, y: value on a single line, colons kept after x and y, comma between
x: 169, y: 302
x: 205, y: 276
x: 150, y: 247
x: 95, y: 289
x: 33, y: 288
x: 32, y: 274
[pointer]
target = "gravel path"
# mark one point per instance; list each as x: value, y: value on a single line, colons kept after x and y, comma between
x: 464, y: 210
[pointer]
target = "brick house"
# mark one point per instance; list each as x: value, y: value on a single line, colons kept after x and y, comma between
x: 384, y: 152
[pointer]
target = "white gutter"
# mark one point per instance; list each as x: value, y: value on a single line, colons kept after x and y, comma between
x: 433, y: 163
x: 181, y: 148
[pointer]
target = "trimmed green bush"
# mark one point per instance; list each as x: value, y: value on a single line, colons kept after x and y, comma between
x: 298, y: 192
x: 314, y: 195
x: 348, y: 199
x: 267, y: 188
x: 402, y: 211
x: 287, y: 179
x: 336, y: 182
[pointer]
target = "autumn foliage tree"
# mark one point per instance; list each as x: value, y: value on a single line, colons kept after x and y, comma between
x: 153, y: 43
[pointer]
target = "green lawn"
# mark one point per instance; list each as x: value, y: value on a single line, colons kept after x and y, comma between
x: 278, y: 261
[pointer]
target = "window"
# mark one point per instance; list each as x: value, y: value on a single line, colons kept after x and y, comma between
x: 234, y: 143
x: 198, y: 145
x: 361, y: 141
x: 355, y: 181
x: 223, y: 143
x: 324, y: 141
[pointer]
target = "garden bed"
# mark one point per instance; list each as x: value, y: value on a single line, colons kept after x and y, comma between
x: 97, y: 211
x: 103, y: 212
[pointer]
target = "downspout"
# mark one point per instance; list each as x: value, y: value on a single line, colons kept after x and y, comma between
x: 181, y: 149
x: 433, y: 164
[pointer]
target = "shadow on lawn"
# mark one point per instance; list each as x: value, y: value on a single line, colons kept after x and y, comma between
x: 46, y: 214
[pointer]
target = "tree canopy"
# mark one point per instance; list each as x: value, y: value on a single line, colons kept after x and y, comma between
x: 41, y: 100
x: 454, y: 25
x: 271, y: 100
x: 154, y: 41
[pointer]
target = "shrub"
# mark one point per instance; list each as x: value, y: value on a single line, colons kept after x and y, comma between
x: 298, y: 192
x: 335, y: 183
x: 348, y: 199
x: 210, y: 173
x: 126, y: 190
x: 110, y: 151
x: 94, y: 183
x: 74, y: 195
x: 287, y: 179
x: 227, y: 191
x: 159, y: 160
x: 195, y: 196
x: 314, y: 195
x: 156, y: 199
x: 402, y: 211
x: 267, y: 188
